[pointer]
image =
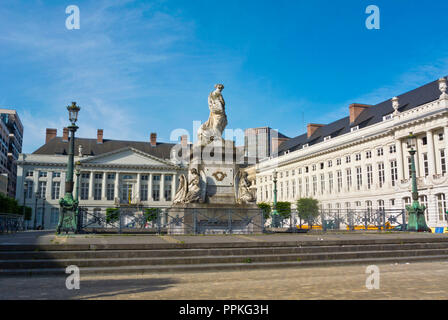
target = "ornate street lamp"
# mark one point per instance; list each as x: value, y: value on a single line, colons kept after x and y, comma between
x: 275, y: 215
x: 416, y: 221
x: 68, y: 205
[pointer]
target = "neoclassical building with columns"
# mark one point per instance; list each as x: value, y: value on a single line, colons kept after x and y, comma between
x: 362, y: 161
x: 112, y: 172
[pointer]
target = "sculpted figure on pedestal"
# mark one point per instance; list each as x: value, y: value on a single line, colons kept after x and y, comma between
x: 242, y: 185
x: 194, y: 188
x: 212, y: 129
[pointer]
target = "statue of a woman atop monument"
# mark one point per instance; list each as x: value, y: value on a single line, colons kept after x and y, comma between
x: 212, y: 129
x: 181, y: 191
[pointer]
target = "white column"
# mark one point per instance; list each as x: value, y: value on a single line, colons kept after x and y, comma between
x: 49, y: 186
x: 91, y: 180
x: 103, y: 186
x: 431, y: 153
x: 150, y: 199
x: 405, y: 155
x: 445, y: 138
x: 137, y: 191
x: 117, y: 185
x: 162, y: 187
x: 400, y: 163
x: 173, y: 186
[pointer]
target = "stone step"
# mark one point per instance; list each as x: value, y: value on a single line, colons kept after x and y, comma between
x: 92, y: 254
x: 220, y: 267
x: 213, y: 245
x: 246, y: 258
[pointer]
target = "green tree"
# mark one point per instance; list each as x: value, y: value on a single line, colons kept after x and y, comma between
x: 11, y: 205
x: 112, y: 215
x: 308, y: 209
x: 284, y: 209
x: 266, y: 207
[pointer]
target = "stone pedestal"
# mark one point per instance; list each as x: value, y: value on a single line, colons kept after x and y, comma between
x: 204, y: 218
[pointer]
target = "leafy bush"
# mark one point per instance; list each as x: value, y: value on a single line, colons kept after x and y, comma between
x: 112, y: 215
x: 307, y: 209
x: 284, y: 209
x: 10, y: 205
x: 150, y: 214
x: 266, y: 207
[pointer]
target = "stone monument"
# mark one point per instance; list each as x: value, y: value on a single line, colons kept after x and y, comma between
x: 216, y: 192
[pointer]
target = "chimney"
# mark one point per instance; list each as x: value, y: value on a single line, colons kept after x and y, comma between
x: 312, y: 127
x: 153, y: 139
x: 50, y: 134
x: 99, y: 136
x: 184, y: 140
x: 356, y: 109
x: 65, y: 135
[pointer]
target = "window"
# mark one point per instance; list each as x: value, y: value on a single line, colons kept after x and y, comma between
x: 330, y: 182
x: 354, y: 129
x: 84, y: 194
x: 29, y: 173
x: 293, y: 183
x: 424, y: 201
x: 322, y: 183
x: 314, y: 167
x: 144, y: 192
x: 145, y: 177
x: 442, y: 161
x: 286, y: 172
x: 97, y: 191
x: 305, y: 146
x: 314, y: 185
x: 126, y: 193
x: 110, y: 190
x: 156, y: 192
x: 368, y: 154
x: 381, y: 176
x: 392, y: 202
x: 349, y: 178
x: 393, y: 172
x: 98, y: 176
x: 85, y: 175
x: 441, y: 136
x: 42, y: 189
x: 330, y: 164
x: 42, y: 174
x: 348, y: 159
x: 441, y: 207
x: 111, y: 176
x: 338, y: 162
x: 388, y: 117
x: 157, y: 177
x: 306, y: 170
x: 55, y: 190
x: 300, y: 187
x: 425, y: 164
x: 381, y: 205
x: 406, y: 202
x: 379, y: 152
x: 307, y: 186
x: 327, y: 138
x: 29, y: 189
x: 56, y: 174
x: 358, y: 157
x: 392, y: 148
x: 369, y: 176
x: 358, y: 178
x: 321, y: 166
x: 424, y: 141
x: 339, y: 174
x: 287, y: 189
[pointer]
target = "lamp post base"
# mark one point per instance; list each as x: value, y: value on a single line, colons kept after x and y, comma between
x: 275, y: 219
x: 417, y: 221
x: 68, y: 218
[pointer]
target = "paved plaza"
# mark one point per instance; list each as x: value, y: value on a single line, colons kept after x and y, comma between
x: 397, y: 281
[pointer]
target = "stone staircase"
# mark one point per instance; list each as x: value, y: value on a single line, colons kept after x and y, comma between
x: 52, y: 259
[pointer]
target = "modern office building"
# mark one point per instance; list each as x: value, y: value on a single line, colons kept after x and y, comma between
x: 11, y: 136
x: 263, y: 142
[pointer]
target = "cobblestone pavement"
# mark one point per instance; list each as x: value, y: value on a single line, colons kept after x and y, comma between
x: 397, y: 281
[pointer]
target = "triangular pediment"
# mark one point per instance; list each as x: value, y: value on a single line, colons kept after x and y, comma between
x: 127, y: 157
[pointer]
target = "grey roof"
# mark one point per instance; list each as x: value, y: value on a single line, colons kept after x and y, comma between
x: 372, y: 115
x: 92, y: 148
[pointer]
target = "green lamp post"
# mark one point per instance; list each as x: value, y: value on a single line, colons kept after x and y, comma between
x: 274, y: 214
x: 416, y: 221
x: 68, y: 205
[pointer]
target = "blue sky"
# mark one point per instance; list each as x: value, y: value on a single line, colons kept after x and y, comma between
x: 137, y: 67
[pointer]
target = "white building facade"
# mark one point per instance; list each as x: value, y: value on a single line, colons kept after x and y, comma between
x: 122, y: 175
x: 362, y: 161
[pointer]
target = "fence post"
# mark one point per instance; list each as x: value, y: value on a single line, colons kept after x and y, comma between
x: 322, y: 220
x: 229, y: 214
x: 119, y: 221
x: 159, y: 221
x: 366, y: 224
x: 403, y: 215
x: 383, y: 213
